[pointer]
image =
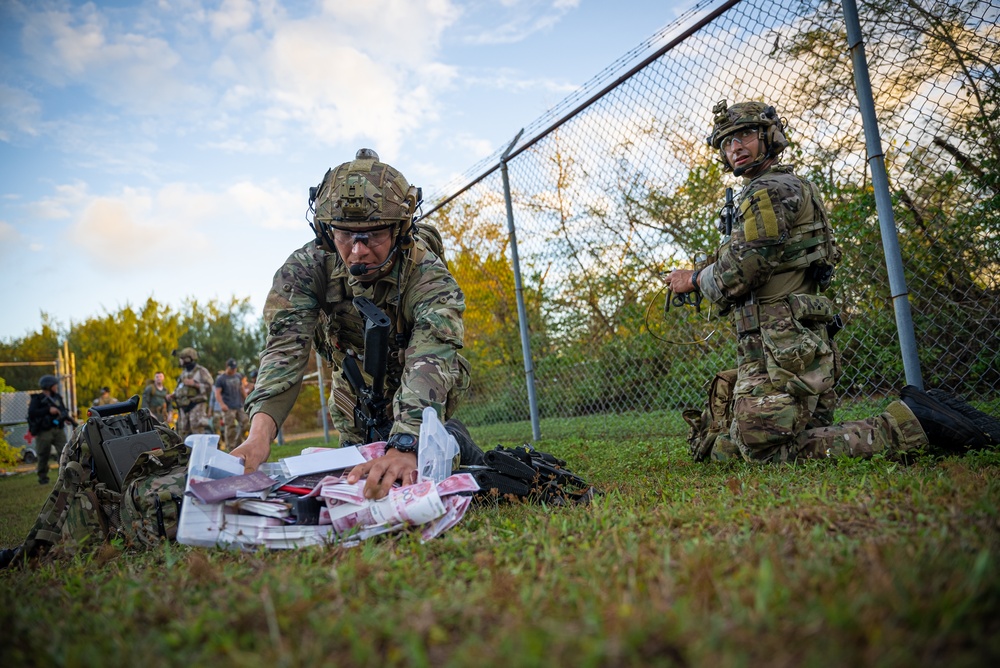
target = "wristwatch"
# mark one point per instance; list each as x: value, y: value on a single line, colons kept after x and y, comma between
x: 402, y: 442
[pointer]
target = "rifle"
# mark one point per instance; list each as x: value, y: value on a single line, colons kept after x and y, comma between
x: 727, y: 214
x: 64, y: 414
x: 369, y: 409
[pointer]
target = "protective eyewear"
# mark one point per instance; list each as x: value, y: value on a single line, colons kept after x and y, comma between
x: 370, y: 238
x: 740, y: 137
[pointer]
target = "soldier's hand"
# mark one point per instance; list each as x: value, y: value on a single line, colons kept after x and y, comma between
x: 53, y: 410
x: 679, y: 281
x: 257, y: 448
x: 385, y: 470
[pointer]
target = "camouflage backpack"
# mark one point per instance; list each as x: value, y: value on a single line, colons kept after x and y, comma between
x: 121, y: 475
x: 707, y: 425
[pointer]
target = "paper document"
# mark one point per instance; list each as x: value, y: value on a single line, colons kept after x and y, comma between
x: 329, y: 460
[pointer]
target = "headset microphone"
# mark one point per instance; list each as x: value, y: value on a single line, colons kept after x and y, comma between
x: 362, y: 269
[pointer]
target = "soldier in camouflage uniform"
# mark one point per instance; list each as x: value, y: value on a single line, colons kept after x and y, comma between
x: 365, y: 246
x: 154, y: 397
x: 191, y: 395
x: 769, y: 274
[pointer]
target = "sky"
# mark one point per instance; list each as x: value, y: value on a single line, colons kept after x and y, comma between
x: 165, y: 148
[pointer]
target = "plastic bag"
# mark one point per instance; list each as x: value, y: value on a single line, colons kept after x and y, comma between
x: 437, y: 450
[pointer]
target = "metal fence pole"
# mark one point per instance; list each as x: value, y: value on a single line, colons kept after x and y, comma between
x: 322, y: 400
x: 522, y: 311
x: 883, y: 200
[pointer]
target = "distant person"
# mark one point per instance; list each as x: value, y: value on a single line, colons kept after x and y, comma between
x: 105, y: 398
x: 191, y: 396
x: 366, y: 245
x: 47, y: 415
x: 154, y: 397
x: 229, y: 395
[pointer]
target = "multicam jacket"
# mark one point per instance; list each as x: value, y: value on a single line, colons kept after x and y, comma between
x: 768, y: 274
x: 189, y: 396
x: 311, y: 301
x: 780, y: 230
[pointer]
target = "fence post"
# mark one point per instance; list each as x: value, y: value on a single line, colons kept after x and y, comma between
x: 322, y: 401
x: 522, y: 311
x: 883, y: 200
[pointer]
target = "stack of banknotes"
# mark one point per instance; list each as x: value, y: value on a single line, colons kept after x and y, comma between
x: 302, y: 501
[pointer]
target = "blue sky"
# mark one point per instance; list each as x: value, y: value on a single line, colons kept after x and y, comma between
x: 165, y: 148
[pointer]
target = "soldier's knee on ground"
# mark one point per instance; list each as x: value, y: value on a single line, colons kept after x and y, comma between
x: 766, y: 427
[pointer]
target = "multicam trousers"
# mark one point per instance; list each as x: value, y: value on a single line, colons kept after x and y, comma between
x: 194, y: 421
x: 235, y: 424
x: 782, y: 400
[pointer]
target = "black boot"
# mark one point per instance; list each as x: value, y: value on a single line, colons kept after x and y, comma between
x: 471, y: 454
x: 9, y: 555
x: 945, y: 428
x: 986, y: 422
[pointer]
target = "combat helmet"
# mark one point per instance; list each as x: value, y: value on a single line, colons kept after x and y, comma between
x: 47, y: 381
x: 729, y: 120
x: 364, y: 194
x: 190, y: 353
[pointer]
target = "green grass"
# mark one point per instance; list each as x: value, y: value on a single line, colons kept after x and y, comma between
x: 810, y: 564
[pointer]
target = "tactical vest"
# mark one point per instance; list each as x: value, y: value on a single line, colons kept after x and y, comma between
x: 812, y: 242
x: 341, y: 328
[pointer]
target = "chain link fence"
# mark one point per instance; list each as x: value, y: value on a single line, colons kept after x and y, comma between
x: 616, y: 186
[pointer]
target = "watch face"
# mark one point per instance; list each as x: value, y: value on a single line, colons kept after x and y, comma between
x: 403, y: 442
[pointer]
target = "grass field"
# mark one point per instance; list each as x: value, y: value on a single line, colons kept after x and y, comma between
x: 813, y: 564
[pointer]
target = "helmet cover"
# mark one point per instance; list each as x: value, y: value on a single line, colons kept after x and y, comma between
x: 729, y: 120
x: 364, y: 194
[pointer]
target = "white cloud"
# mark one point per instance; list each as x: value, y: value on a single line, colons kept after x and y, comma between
x: 524, y: 18
x: 137, y: 227
x: 20, y: 112
x: 232, y: 16
x: 508, y: 80
x: 121, y: 66
x: 272, y: 206
x: 61, y: 203
x: 344, y: 87
x: 8, y: 235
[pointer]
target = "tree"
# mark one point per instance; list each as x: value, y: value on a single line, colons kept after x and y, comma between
x: 40, y: 346
x: 122, y: 350
x: 219, y: 331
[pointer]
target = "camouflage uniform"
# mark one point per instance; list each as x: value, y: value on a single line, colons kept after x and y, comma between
x: 156, y: 401
x: 192, y: 401
x: 311, y: 300
x: 782, y: 400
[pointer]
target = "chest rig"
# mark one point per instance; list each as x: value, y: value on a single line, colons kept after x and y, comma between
x: 341, y: 330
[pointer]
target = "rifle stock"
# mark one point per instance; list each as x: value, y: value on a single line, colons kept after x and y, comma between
x: 377, y: 325
x: 370, y: 408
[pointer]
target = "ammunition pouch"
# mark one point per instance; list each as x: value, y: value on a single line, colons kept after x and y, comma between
x: 747, y: 319
x: 344, y: 402
x: 811, y: 308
